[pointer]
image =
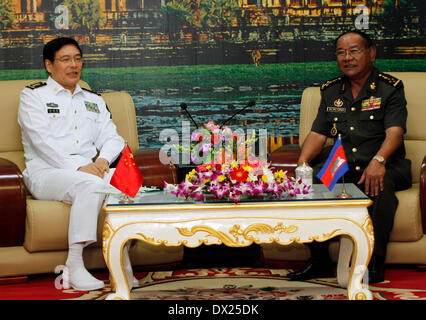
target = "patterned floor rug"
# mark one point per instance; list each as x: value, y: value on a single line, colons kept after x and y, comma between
x: 227, y: 284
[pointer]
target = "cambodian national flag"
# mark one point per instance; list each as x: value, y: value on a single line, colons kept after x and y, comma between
x: 335, y: 166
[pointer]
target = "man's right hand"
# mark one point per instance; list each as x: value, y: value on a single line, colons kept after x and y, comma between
x: 92, y: 169
x: 311, y: 147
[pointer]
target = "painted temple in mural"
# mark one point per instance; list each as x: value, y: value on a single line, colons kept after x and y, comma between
x: 34, y: 14
x: 170, y: 31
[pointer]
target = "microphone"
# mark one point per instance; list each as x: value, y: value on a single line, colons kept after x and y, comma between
x: 250, y: 104
x: 184, y: 106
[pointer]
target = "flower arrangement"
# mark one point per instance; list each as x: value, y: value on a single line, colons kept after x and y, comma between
x: 214, y: 143
x: 233, y: 181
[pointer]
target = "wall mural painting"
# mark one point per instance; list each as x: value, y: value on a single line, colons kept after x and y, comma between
x: 215, y: 56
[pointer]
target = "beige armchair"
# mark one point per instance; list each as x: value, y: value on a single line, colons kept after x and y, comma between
x: 408, y: 239
x: 34, y: 233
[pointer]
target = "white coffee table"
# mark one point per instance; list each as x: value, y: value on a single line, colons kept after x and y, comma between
x: 159, y: 218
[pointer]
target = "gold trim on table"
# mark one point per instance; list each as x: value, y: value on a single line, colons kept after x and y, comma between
x: 218, y: 206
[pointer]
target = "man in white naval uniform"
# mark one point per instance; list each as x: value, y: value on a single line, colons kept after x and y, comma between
x: 69, y: 142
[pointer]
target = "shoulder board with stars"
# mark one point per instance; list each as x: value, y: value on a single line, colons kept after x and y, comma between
x: 329, y: 83
x: 36, y: 85
x: 94, y: 92
x: 389, y: 79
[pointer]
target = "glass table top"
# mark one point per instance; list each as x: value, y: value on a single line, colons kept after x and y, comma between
x: 160, y: 197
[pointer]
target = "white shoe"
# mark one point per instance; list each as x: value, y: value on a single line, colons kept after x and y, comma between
x: 80, y: 279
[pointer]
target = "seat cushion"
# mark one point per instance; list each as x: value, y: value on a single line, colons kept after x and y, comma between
x: 408, y: 219
x: 47, y: 230
x: 46, y: 226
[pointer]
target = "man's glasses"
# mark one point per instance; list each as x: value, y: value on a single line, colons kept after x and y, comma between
x: 69, y: 60
x: 352, y: 52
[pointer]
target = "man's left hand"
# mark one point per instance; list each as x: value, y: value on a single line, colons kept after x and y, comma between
x: 373, y: 177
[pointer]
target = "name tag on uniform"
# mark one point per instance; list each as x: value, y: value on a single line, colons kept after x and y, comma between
x: 336, y: 109
x: 91, y: 106
x: 371, y: 103
x: 53, y: 110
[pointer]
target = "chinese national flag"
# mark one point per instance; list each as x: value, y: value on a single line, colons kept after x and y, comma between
x: 127, y: 177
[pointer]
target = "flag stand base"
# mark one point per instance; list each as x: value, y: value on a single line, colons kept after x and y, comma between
x: 125, y: 200
x: 344, y: 194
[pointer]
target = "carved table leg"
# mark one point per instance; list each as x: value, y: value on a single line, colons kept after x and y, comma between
x: 127, y: 265
x: 343, y: 264
x: 356, y: 289
x: 117, y: 269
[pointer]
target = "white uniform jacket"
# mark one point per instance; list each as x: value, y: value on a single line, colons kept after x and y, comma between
x: 64, y: 130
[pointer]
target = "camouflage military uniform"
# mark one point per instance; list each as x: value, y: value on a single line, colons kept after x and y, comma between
x: 362, y: 123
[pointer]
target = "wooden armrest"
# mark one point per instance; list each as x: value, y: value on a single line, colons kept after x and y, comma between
x: 285, y: 158
x: 423, y: 193
x: 153, y: 171
x: 13, y: 204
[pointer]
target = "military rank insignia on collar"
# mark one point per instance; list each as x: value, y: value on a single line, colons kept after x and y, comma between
x: 389, y: 79
x: 371, y: 103
x: 330, y: 83
x: 52, y: 105
x: 91, y: 106
x: 36, y: 85
x: 91, y: 91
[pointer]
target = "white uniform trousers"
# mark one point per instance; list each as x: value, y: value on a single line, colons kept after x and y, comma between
x: 75, y: 188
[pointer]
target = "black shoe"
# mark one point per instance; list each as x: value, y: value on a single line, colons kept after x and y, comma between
x: 313, y: 269
x: 376, y: 269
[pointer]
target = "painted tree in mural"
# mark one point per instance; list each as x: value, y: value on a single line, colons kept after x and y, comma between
x: 218, y: 13
x: 200, y: 14
x: 86, y: 16
x: 7, y: 16
x: 178, y: 14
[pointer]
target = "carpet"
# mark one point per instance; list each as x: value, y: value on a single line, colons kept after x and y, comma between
x: 224, y: 284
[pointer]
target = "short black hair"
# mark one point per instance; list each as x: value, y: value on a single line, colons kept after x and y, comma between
x: 55, y: 45
x: 368, y: 42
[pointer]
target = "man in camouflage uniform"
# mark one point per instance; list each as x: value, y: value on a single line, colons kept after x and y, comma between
x: 368, y: 109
